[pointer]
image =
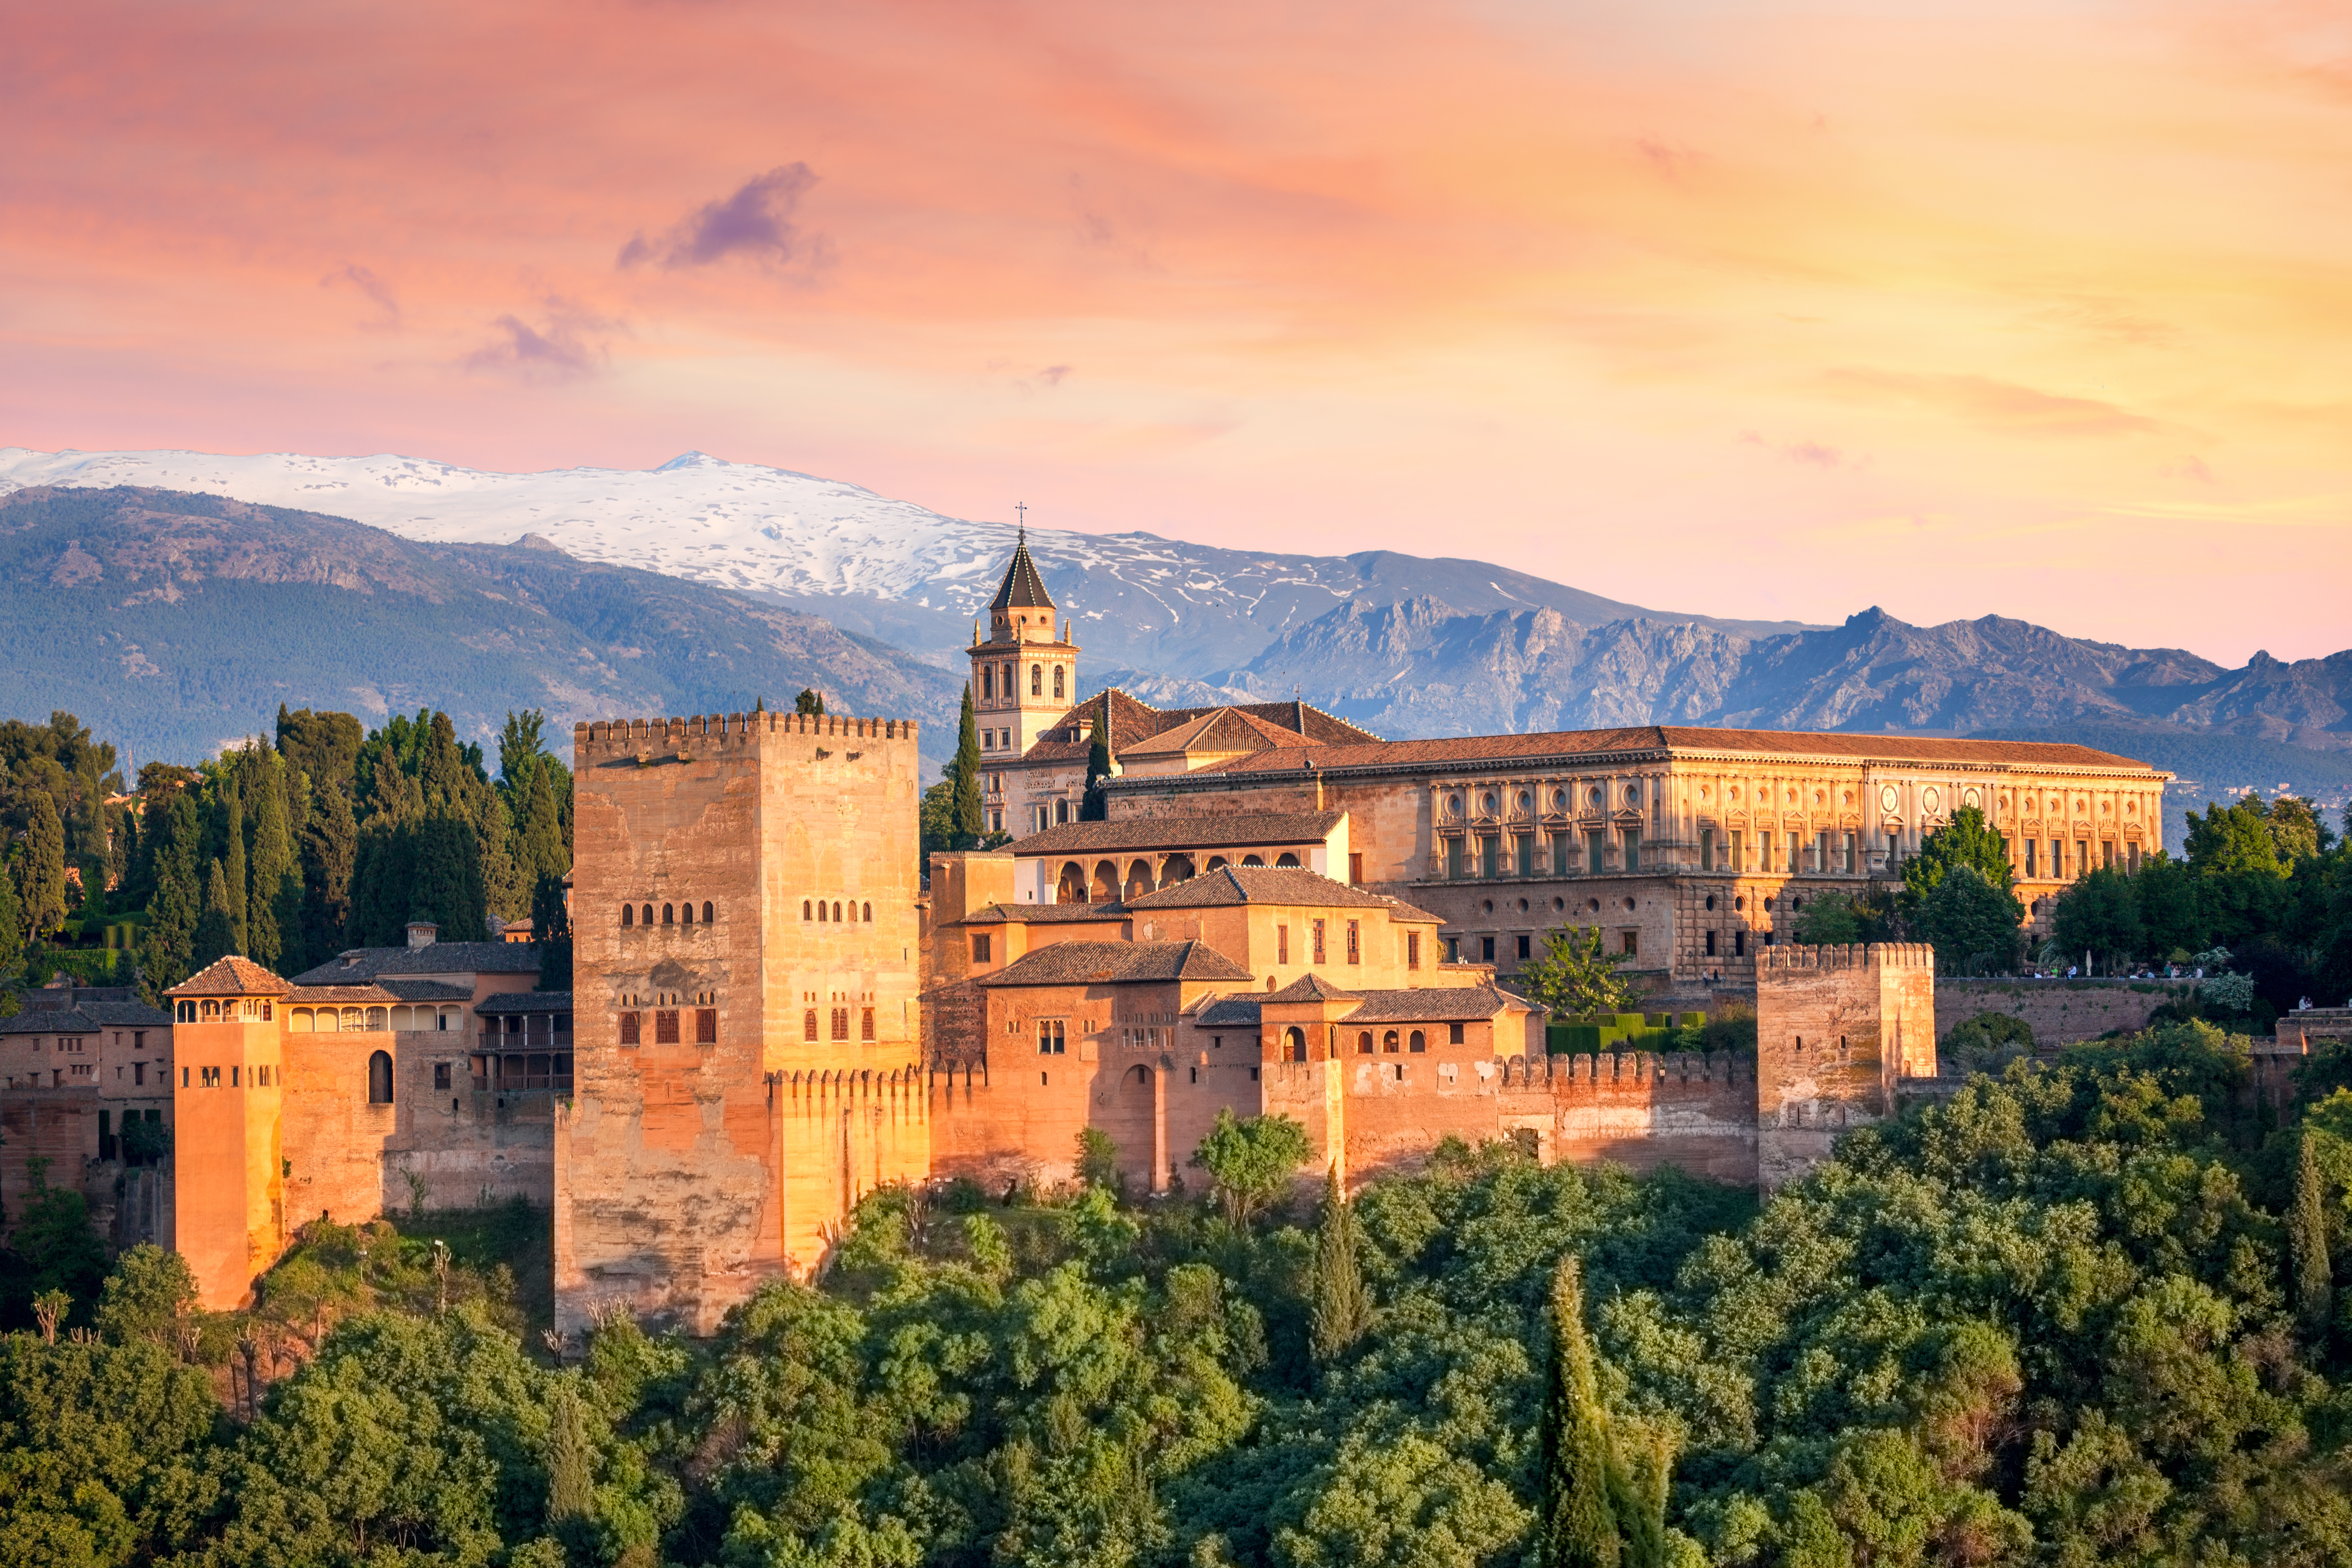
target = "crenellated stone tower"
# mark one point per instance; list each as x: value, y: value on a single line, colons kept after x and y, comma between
x: 1836, y: 1030
x: 745, y: 1005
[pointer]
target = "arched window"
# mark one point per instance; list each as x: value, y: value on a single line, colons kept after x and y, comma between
x: 688, y: 919
x: 868, y: 915
x: 988, y: 683
x: 380, y: 1079
x: 350, y: 1020
x: 628, y: 915
x: 1389, y: 1042
x: 1420, y: 1041
x: 646, y: 914
x: 1294, y: 1044
x: 1036, y: 680
x: 706, y: 911
x: 1364, y: 1044
x: 1058, y: 683
x: 821, y: 910
x: 1253, y: 859
x: 1286, y: 858
x: 670, y: 915
x: 804, y: 908
x: 836, y: 909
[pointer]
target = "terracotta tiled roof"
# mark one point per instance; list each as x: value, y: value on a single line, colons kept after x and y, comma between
x: 87, y: 1019
x: 379, y: 993
x: 1431, y: 1005
x: 1113, y: 962
x: 1046, y: 914
x: 1261, y: 885
x: 1221, y: 730
x: 1235, y: 1012
x: 1021, y: 589
x: 231, y: 976
x: 1655, y: 739
x: 1251, y: 828
x: 1309, y: 988
x: 532, y: 1002
x: 1133, y: 723
x: 365, y: 966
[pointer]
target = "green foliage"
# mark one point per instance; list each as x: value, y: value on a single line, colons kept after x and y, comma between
x: 1095, y: 807
x: 52, y: 1248
x: 215, y: 934
x: 1252, y: 1160
x: 2100, y: 914
x: 1986, y: 1042
x: 2313, y: 1280
x: 148, y: 1298
x: 2234, y: 838
x: 1830, y: 919
x: 1097, y: 1161
x: 1572, y: 977
x: 1967, y: 840
x: 40, y: 871
x: 1972, y: 922
x: 1582, y: 1480
x: 965, y: 823
x: 12, y: 926
x: 1343, y: 1305
x: 810, y: 702
x: 550, y: 931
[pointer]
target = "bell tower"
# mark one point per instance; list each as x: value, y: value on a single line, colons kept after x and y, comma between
x: 1025, y: 676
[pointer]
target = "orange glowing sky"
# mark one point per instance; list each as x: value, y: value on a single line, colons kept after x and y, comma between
x: 1764, y: 310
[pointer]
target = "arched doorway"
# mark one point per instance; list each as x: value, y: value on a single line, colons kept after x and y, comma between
x: 1176, y: 869
x: 380, y: 1079
x: 1132, y: 1118
x: 1104, y: 888
x: 1138, y: 879
x: 1294, y: 1044
x: 1072, y: 888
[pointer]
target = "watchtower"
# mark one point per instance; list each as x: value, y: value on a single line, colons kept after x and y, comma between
x: 1025, y: 674
x: 744, y: 1003
x: 1836, y: 1028
x: 229, y: 1195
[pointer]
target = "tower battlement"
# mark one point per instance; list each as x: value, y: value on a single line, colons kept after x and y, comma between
x: 1856, y: 956
x: 606, y: 739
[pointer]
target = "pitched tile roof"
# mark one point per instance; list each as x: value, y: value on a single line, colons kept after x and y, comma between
x: 1022, y: 587
x: 87, y: 1019
x: 1235, y: 1012
x: 1219, y: 730
x: 1655, y: 740
x: 378, y: 993
x: 1046, y: 914
x: 1309, y: 988
x: 1230, y: 831
x: 1229, y: 885
x: 1132, y: 722
x: 1431, y: 1005
x: 527, y: 1002
x: 231, y: 976
x: 1114, y: 963
x: 364, y: 965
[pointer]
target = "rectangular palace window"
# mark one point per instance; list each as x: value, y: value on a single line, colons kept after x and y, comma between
x: 1633, y: 850
x: 666, y: 1026
x: 1282, y: 945
x: 1706, y: 848
x: 841, y: 1024
x: 1563, y: 850
x: 1488, y: 849
x: 1050, y: 1039
x: 629, y: 1025
x: 980, y: 947
x: 1316, y: 926
x: 865, y: 1025
x: 808, y: 1025
x: 1412, y: 950
x: 1355, y: 954
x: 1454, y: 859
x: 706, y: 1026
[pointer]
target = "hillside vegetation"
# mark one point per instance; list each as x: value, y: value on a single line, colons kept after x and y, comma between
x: 2085, y: 1313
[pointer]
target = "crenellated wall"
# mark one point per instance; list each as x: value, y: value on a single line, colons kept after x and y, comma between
x: 1836, y: 1030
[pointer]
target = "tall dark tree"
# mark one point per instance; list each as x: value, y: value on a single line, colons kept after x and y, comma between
x: 1343, y: 1305
x: 964, y: 771
x: 1578, y: 1526
x: 1095, y: 807
x: 550, y: 929
x: 810, y: 702
x: 233, y: 859
x: 12, y: 930
x: 167, y: 951
x: 2100, y: 913
x: 41, y: 892
x: 216, y: 927
x: 329, y: 848
x: 2306, y: 1225
x: 273, y: 903
x: 1967, y: 840
x: 1972, y: 923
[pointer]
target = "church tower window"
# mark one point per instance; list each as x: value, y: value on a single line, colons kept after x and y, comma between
x: 1036, y: 680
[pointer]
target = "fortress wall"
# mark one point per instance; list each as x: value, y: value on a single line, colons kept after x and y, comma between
x: 1835, y: 1027
x: 2060, y: 1013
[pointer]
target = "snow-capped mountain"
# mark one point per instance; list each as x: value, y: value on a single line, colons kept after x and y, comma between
x: 886, y: 568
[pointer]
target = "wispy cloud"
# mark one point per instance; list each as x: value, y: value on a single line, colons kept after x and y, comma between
x: 353, y: 275
x: 2001, y: 405
x: 569, y: 344
x: 756, y: 221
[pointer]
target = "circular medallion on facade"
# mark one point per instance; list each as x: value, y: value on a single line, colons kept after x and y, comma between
x: 1887, y: 798
x: 1971, y: 798
x: 1931, y: 798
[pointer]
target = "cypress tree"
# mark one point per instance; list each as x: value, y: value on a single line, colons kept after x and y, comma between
x: 216, y: 928
x: 274, y: 903
x: 2314, y: 1285
x: 809, y: 702
x: 505, y: 884
x: 167, y: 952
x: 233, y: 867
x: 12, y: 930
x: 1578, y: 1525
x: 550, y: 931
x: 570, y: 1491
x: 1095, y: 807
x: 539, y: 843
x: 41, y: 871
x: 964, y: 771
x: 1343, y: 1307
x: 329, y: 848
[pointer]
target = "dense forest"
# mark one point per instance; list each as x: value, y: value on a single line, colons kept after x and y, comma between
x: 2082, y: 1313
x: 286, y: 850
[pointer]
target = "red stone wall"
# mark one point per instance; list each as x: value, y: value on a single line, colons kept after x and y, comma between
x: 2059, y: 1012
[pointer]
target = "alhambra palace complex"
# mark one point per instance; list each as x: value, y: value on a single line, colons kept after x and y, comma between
x: 1282, y: 913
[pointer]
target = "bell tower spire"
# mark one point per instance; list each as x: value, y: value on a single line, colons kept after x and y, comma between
x: 1024, y: 679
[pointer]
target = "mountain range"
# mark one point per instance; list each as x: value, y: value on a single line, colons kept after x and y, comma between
x: 874, y: 598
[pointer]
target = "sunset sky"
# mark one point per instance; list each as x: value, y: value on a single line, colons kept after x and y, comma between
x: 1762, y: 311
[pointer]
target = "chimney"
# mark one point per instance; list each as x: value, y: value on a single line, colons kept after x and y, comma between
x: 422, y: 932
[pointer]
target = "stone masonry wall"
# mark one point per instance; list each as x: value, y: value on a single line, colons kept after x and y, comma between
x: 2059, y: 1012
x: 1835, y: 1029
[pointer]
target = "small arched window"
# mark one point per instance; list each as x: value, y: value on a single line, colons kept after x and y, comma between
x: 988, y: 683
x: 836, y: 909
x: 1420, y: 1042
x: 1036, y: 680
x: 868, y: 915
x: 1389, y: 1042
x: 804, y: 908
x: 670, y: 915
x: 1294, y: 1044
x: 1364, y: 1044
x: 688, y: 919
x: 646, y: 914
x: 1058, y: 683
x: 706, y: 911
x: 380, y: 1079
x: 628, y: 915
x: 821, y: 907
x: 1286, y: 859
